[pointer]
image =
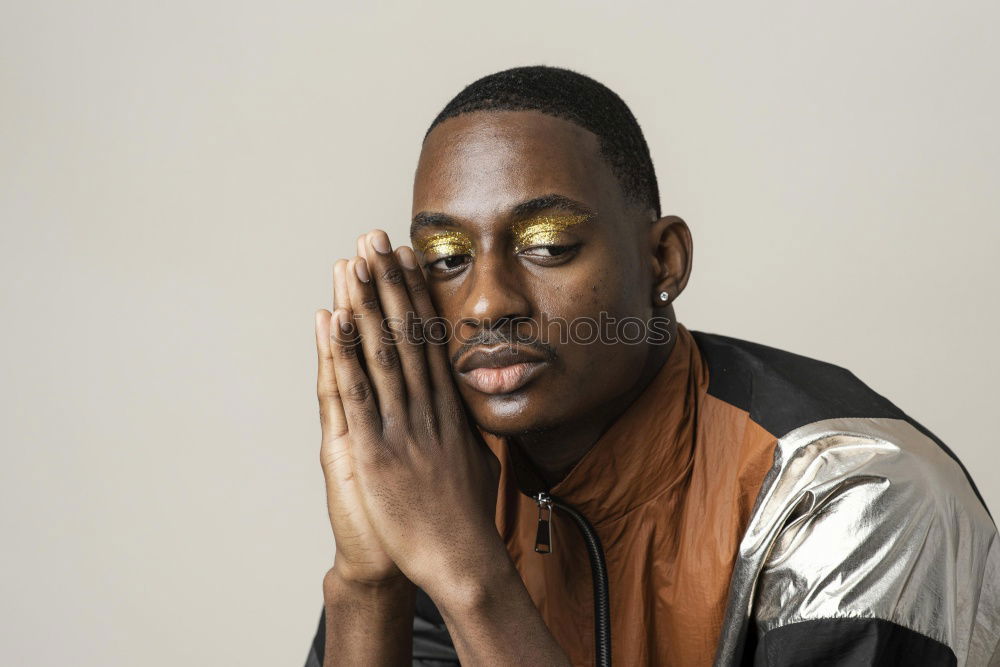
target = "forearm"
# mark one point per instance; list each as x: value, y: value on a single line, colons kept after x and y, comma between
x: 368, y: 624
x: 493, y: 621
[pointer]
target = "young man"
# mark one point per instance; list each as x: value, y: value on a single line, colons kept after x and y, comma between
x: 745, y: 504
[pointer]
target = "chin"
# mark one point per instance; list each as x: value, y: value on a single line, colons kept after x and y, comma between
x: 512, y: 416
x: 535, y: 408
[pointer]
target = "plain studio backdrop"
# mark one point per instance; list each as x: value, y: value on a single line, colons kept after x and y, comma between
x: 177, y: 179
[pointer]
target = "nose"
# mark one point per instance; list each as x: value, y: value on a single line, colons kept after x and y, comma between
x: 495, y: 296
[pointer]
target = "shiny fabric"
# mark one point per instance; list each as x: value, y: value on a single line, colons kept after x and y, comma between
x: 869, y: 518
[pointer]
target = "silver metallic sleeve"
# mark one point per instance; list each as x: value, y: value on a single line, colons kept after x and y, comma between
x: 869, y: 519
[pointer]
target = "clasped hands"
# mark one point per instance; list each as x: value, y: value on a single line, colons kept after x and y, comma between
x: 411, y: 486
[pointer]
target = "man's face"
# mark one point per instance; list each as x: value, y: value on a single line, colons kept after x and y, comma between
x: 520, y: 223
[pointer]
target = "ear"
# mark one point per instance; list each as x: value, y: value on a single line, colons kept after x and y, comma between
x: 672, y: 250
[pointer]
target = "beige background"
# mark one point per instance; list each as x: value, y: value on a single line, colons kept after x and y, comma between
x: 176, y: 179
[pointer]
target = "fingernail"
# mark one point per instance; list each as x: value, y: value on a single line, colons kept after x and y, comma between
x: 406, y: 257
x: 361, y: 270
x: 381, y: 243
x: 343, y: 321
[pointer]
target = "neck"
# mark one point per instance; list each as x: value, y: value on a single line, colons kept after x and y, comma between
x: 552, y: 453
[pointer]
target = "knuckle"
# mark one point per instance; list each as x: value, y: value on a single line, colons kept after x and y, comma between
x: 327, y: 391
x: 359, y: 391
x: 386, y: 357
x: 370, y: 303
x: 418, y: 287
x: 349, y: 351
x: 392, y: 276
x: 329, y: 398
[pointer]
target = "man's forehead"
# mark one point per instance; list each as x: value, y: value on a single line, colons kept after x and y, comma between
x: 482, y: 163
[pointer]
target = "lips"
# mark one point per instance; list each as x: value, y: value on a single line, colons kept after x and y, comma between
x: 500, y: 370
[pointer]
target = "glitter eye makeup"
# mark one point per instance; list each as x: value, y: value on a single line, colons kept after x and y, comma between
x: 445, y: 244
x: 543, y: 230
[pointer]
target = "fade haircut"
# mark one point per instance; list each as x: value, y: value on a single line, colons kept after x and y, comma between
x: 572, y: 96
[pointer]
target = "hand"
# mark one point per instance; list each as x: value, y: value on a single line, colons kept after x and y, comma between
x: 426, y: 478
x: 359, y: 556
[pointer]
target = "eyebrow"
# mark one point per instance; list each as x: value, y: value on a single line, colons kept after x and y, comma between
x: 552, y: 201
x: 518, y: 212
x: 428, y: 219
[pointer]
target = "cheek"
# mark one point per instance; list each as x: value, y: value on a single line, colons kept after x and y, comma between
x: 607, y: 284
x: 589, y: 299
x: 616, y: 362
x: 446, y: 301
x: 440, y: 298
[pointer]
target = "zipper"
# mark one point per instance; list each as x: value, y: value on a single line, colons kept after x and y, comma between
x: 543, y: 537
x: 598, y: 567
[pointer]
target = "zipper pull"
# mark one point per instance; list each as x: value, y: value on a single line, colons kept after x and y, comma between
x: 543, y: 539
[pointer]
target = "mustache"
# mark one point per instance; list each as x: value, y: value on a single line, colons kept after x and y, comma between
x: 485, y: 337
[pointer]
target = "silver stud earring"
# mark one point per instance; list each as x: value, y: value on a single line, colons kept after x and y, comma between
x: 664, y: 296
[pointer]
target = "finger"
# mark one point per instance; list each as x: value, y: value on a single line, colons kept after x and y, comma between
x: 355, y: 391
x: 379, y: 352
x: 360, y: 243
x: 394, y: 297
x: 433, y: 327
x: 340, y: 297
x: 331, y: 411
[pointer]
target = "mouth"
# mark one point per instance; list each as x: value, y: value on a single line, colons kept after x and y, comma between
x: 500, y: 370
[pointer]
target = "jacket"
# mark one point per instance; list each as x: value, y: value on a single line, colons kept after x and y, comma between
x: 760, y: 507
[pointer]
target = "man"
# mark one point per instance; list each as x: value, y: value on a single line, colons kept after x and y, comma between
x: 743, y: 504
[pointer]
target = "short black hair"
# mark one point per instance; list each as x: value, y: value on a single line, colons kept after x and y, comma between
x: 575, y: 97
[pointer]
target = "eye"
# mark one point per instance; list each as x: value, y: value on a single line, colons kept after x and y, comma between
x: 547, y: 250
x: 449, y: 264
x: 550, y: 254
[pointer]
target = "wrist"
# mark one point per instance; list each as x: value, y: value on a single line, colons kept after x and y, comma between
x: 496, y: 604
x: 340, y: 582
x: 367, y: 623
x: 476, y: 585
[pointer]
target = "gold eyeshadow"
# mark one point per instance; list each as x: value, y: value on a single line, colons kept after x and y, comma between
x: 543, y: 230
x: 445, y: 244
